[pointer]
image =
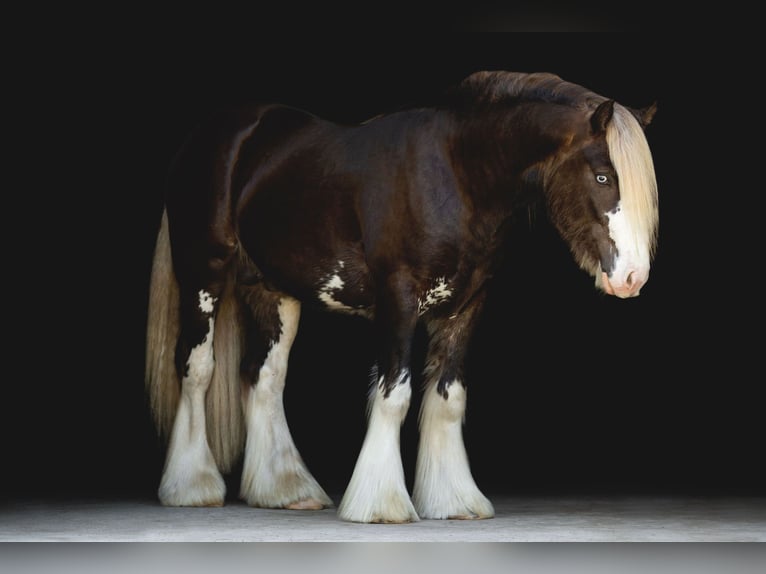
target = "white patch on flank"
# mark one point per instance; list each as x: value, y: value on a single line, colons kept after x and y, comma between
x: 377, y: 491
x: 274, y: 475
x: 439, y: 293
x: 191, y: 477
x: 206, y: 301
x: 444, y: 486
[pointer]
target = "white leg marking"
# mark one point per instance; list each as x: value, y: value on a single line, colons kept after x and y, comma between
x: 206, y: 301
x: 274, y: 475
x: 190, y: 477
x: 444, y: 486
x: 377, y: 491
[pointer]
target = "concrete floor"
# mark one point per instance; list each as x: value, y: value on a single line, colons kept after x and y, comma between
x: 527, y: 519
x: 209, y: 540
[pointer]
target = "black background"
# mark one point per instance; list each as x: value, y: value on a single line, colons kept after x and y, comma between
x: 569, y: 390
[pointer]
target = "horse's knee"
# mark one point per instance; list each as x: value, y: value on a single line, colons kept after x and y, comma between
x: 447, y: 404
x: 393, y: 400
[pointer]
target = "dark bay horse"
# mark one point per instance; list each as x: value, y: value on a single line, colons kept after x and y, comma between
x: 399, y: 219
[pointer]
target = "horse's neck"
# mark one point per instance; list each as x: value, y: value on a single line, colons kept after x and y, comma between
x: 500, y: 156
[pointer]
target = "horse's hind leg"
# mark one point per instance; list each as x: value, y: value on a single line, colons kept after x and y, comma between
x: 190, y: 476
x: 274, y: 474
x: 444, y: 486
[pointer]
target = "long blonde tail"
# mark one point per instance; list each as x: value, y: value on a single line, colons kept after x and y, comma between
x: 224, y: 414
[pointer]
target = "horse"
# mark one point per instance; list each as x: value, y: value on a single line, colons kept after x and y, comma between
x: 399, y: 219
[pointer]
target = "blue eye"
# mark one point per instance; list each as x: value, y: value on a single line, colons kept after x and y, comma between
x: 601, y: 178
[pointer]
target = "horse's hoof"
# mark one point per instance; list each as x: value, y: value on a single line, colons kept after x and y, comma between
x: 306, y: 504
x: 206, y: 489
x: 392, y: 521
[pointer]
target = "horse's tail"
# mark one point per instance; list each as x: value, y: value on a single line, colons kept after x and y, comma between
x: 224, y: 414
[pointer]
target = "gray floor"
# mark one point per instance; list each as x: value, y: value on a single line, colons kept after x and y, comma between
x: 527, y: 519
x: 295, y: 542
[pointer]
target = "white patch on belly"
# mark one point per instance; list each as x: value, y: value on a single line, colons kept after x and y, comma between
x: 439, y: 293
x: 206, y: 301
x: 329, y: 289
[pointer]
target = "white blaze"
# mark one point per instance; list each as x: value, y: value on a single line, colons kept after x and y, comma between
x: 632, y: 256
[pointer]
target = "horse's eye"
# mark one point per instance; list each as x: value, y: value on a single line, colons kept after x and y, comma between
x: 601, y: 178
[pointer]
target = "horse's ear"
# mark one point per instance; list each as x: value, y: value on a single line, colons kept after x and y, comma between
x: 645, y: 115
x: 601, y: 116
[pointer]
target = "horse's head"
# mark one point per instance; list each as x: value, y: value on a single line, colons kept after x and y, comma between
x: 602, y: 197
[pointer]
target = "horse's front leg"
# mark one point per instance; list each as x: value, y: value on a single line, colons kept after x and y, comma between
x: 444, y: 485
x: 377, y: 491
x: 191, y: 476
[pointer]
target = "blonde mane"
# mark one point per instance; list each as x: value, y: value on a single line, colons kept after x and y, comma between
x: 632, y: 160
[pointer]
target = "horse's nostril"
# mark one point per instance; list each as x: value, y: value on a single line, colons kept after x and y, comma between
x: 629, y: 280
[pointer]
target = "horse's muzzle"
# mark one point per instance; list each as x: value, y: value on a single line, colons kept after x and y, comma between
x: 630, y: 286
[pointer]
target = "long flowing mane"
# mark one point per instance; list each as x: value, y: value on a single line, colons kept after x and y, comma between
x: 494, y: 87
x: 632, y: 159
x: 628, y: 147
